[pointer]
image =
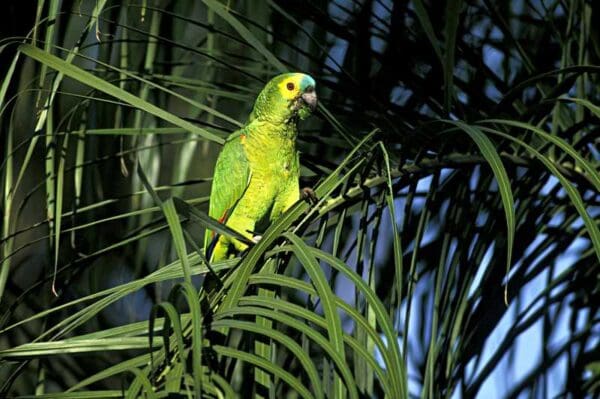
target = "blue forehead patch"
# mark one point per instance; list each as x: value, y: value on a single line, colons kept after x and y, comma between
x: 306, y: 82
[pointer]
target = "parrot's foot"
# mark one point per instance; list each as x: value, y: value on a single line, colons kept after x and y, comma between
x: 256, y: 239
x: 308, y: 195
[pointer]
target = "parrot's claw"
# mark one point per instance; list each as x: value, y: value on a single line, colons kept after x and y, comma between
x: 308, y: 195
x: 256, y: 239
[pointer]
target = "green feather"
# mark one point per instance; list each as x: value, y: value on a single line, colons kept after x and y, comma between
x: 256, y: 175
x: 231, y: 178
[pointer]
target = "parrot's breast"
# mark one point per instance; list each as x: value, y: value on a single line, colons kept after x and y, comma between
x: 274, y: 164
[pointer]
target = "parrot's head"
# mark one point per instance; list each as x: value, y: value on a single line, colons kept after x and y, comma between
x: 286, y: 98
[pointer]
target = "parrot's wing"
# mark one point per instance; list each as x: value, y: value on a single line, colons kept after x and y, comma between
x: 231, y: 178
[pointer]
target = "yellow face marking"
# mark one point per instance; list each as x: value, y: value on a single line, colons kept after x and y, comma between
x: 290, y: 87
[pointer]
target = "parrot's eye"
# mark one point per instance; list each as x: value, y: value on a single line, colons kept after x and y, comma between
x: 290, y: 86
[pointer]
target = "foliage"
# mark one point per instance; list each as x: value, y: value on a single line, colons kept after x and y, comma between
x: 454, y: 155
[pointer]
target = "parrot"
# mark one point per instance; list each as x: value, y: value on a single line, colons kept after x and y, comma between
x: 257, y: 173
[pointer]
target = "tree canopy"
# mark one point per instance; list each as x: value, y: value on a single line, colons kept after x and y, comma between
x: 454, y: 250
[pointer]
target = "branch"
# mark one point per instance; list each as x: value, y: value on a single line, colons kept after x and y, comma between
x: 455, y: 161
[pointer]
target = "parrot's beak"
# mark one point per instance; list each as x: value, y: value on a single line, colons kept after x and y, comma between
x: 310, y: 98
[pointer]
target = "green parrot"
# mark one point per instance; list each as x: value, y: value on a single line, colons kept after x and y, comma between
x: 257, y: 173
